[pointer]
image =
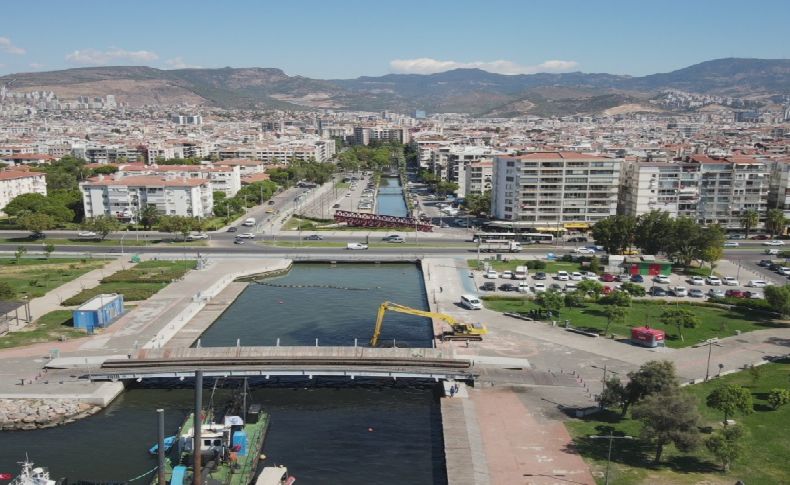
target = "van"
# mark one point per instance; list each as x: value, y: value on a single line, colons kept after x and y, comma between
x: 520, y: 273
x: 250, y: 221
x: 471, y: 302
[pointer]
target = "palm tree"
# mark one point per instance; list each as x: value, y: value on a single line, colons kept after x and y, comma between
x: 749, y: 219
x: 775, y: 221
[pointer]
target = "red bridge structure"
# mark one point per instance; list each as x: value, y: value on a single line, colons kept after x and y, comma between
x: 359, y: 219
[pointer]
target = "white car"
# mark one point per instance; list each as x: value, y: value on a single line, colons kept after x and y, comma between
x: 589, y: 275
x: 713, y: 281
x: 569, y: 287
x: 681, y: 291
x: 245, y: 235
x: 356, y: 246
x: 661, y: 279
x: 197, y: 236
x: 584, y: 251
x: 731, y: 244
x: 576, y: 276
x: 563, y: 276
x: 755, y: 295
x: 507, y: 275
x: 697, y: 280
x: 773, y: 252
x: 774, y: 242
x: 757, y: 283
x: 491, y: 274
x: 539, y: 288
x: 523, y: 287
x: 784, y: 271
x: 731, y: 281
x: 87, y: 234
x: 716, y: 293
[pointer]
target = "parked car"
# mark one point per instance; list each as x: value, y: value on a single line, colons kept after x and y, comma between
x: 623, y: 278
x: 774, y: 242
x: 757, y: 283
x: 736, y: 236
x: 576, y: 276
x: 507, y: 275
x: 540, y: 275
x: 488, y: 286
x: 578, y: 239
x: 716, y: 293
x: 563, y: 276
x: 731, y: 244
x: 508, y: 287
x: 637, y: 278
x: 713, y: 280
x: 314, y: 237
x: 608, y: 277
x: 754, y: 295
x: 734, y: 294
x: 606, y: 290
x: 696, y: 293
x: 356, y: 246
x: 784, y: 271
x: 491, y: 274
x: 539, y: 288
x: 697, y: 280
x: 764, y: 263
x: 569, y: 287
x: 661, y: 279
x: 680, y: 291
x: 523, y: 287
x: 555, y: 287
x: 730, y: 281
x: 657, y: 291
x: 589, y: 275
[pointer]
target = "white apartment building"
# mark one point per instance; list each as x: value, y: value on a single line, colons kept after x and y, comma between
x: 554, y: 191
x: 224, y: 178
x: 450, y: 163
x: 779, y: 191
x: 363, y: 135
x: 318, y: 150
x: 123, y: 197
x: 707, y: 189
x: 16, y: 182
x: 478, y: 178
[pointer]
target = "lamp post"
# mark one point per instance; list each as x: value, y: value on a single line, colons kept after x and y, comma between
x: 710, y: 344
x: 611, y: 439
x: 603, y: 379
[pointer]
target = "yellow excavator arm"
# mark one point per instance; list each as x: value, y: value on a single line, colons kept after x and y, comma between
x: 475, y: 329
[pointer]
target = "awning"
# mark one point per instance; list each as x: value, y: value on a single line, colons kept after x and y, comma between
x: 551, y: 229
x: 577, y: 225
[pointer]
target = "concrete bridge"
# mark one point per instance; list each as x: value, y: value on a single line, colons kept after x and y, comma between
x: 350, y: 362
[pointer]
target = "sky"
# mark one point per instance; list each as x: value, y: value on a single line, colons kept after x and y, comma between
x: 346, y: 39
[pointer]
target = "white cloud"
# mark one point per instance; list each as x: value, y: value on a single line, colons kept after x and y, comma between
x: 97, y: 57
x: 7, y: 46
x: 426, y: 65
x: 179, y: 63
x: 36, y: 65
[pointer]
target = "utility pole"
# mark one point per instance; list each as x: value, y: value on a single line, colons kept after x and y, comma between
x: 198, y: 424
x: 611, y: 439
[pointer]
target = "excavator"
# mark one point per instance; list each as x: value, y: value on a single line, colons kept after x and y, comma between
x: 460, y: 330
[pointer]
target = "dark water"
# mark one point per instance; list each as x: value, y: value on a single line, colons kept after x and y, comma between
x: 390, y: 200
x: 297, y: 316
x: 319, y: 428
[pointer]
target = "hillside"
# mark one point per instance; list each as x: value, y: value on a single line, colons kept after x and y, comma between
x: 462, y: 90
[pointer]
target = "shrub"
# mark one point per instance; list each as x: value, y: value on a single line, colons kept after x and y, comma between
x: 778, y: 397
x: 633, y: 289
x: 536, y: 264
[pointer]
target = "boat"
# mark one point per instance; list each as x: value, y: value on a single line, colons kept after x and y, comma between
x: 33, y: 476
x: 275, y: 475
x: 168, y: 444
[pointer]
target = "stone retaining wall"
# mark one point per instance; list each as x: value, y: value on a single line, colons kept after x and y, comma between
x: 27, y: 414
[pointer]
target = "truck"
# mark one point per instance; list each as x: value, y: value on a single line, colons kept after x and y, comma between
x: 520, y: 273
x: 500, y: 246
x: 249, y: 222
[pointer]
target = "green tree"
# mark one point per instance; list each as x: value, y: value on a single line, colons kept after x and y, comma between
x: 616, y: 298
x: 574, y: 299
x: 653, y: 377
x: 683, y: 242
x: 679, y: 318
x: 35, y: 203
x: 36, y: 223
x: 102, y: 225
x: 778, y: 297
x: 479, y: 204
x: 711, y: 245
x: 590, y: 287
x: 749, y: 219
x: 614, y: 233
x: 775, y: 221
x: 778, y: 397
x: 49, y: 248
x: 443, y: 188
x: 669, y: 418
x: 148, y: 216
x: 7, y: 292
x: 613, y: 394
x: 20, y: 251
x: 550, y: 301
x: 177, y: 225
x: 633, y: 289
x: 730, y: 399
x: 614, y: 314
x: 726, y: 445
x: 652, y: 230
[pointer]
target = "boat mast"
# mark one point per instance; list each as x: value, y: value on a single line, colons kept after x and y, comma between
x: 198, y: 425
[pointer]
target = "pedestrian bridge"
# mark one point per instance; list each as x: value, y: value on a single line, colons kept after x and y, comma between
x: 392, y: 363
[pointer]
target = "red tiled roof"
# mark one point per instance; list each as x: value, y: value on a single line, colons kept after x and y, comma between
x: 146, y: 181
x: 19, y: 174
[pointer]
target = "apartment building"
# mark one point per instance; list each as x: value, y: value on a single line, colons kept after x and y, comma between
x: 123, y: 197
x: 450, y: 163
x: 711, y: 190
x: 318, y: 150
x: 555, y: 191
x: 17, y: 182
x: 779, y: 184
x: 223, y: 178
x: 363, y: 135
x: 478, y: 178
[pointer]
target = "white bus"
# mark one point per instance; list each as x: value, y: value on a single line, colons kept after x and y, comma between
x: 536, y: 237
x: 494, y: 236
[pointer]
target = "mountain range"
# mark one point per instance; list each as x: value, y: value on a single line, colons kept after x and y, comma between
x: 471, y: 91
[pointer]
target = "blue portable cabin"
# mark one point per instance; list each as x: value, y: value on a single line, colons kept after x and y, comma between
x: 98, y: 312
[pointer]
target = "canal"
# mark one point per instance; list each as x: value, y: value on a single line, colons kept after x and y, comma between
x: 324, y: 430
x: 390, y: 201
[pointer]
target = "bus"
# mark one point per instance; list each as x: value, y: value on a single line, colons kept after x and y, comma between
x: 536, y: 237
x: 524, y: 237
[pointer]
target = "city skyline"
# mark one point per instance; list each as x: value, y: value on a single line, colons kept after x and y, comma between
x: 316, y: 39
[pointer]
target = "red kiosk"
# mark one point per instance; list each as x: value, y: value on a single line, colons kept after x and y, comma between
x: 647, y: 337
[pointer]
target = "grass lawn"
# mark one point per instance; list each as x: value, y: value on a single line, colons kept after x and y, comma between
x: 50, y: 327
x: 35, y: 277
x: 342, y: 185
x: 138, y: 283
x: 766, y: 444
x: 714, y: 321
x: 510, y: 265
x: 128, y: 241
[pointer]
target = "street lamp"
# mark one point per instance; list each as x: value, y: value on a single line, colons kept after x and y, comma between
x: 611, y: 439
x: 603, y: 380
x: 710, y: 343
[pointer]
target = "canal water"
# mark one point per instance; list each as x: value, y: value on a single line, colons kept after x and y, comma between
x: 390, y: 201
x: 324, y: 430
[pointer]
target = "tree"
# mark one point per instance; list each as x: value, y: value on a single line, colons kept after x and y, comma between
x: 20, y: 251
x: 614, y: 233
x: 6, y: 291
x: 726, y: 445
x: 574, y: 299
x: 49, y: 248
x: 633, y: 289
x: 478, y: 203
x: 595, y: 264
x: 730, y: 399
x: 778, y: 298
x: 35, y: 203
x: 149, y: 216
x: 614, y: 313
x: 683, y: 242
x: 679, y: 318
x: 617, y: 298
x: 778, y: 397
x: 102, y: 225
x: 749, y: 219
x: 176, y: 225
x: 653, y: 377
x: 36, y: 223
x: 670, y: 417
x: 775, y: 221
x: 613, y: 393
x: 444, y: 187
x: 550, y: 301
x: 711, y: 245
x: 590, y: 287
x: 652, y: 230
